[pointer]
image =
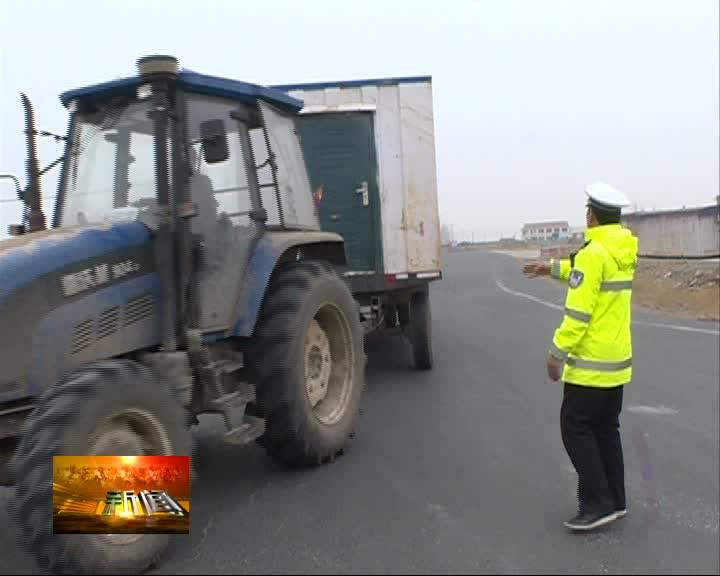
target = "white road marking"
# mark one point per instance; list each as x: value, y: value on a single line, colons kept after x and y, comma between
x: 527, y: 296
x: 654, y: 410
x: 520, y: 254
x: 636, y: 322
x: 676, y: 327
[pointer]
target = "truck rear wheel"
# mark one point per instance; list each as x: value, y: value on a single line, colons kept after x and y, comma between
x: 309, y: 364
x: 106, y: 408
x: 421, y: 330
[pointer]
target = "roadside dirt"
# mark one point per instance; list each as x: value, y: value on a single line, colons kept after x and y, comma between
x: 682, y: 288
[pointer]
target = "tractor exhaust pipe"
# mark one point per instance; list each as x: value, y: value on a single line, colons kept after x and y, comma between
x: 33, y: 217
x: 159, y: 72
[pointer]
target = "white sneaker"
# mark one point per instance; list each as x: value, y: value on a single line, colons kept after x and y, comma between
x: 620, y: 513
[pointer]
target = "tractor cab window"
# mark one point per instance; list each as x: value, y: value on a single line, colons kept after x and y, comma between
x: 111, y: 167
x: 266, y: 179
x: 292, y: 183
x: 219, y: 189
x: 222, y: 226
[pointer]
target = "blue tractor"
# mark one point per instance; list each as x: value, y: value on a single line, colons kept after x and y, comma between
x: 183, y: 272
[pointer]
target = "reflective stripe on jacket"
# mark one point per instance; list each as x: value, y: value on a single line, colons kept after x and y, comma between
x: 595, y: 338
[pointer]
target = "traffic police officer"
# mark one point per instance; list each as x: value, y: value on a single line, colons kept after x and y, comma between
x: 594, y: 342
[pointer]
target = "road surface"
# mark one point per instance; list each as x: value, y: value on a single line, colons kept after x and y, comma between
x: 462, y: 469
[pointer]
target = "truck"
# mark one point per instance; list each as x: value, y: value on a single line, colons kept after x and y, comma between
x: 183, y: 272
x: 370, y: 153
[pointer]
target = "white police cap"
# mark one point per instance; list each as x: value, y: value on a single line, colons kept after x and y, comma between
x: 605, y: 196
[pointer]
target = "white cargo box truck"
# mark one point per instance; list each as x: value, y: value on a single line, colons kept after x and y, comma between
x: 370, y: 153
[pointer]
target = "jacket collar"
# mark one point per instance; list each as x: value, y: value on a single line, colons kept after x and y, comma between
x: 598, y: 232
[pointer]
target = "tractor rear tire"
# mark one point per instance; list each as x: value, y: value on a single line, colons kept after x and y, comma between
x: 421, y: 330
x: 309, y: 364
x: 114, y: 407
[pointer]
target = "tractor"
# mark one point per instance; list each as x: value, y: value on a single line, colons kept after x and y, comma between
x: 183, y: 272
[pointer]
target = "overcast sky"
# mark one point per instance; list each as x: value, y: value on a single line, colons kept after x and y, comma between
x: 532, y: 99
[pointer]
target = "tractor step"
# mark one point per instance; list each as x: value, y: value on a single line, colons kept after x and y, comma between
x: 250, y: 430
x: 226, y: 366
x: 244, y: 395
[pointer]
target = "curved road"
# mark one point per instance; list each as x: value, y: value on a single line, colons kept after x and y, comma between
x: 462, y: 469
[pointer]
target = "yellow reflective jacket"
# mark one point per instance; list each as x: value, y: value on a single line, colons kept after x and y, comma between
x: 595, y: 338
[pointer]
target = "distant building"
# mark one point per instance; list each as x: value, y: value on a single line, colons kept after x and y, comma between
x: 576, y: 233
x: 545, y: 231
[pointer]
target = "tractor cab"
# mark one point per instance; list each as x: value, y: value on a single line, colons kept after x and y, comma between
x: 221, y: 154
x: 218, y: 132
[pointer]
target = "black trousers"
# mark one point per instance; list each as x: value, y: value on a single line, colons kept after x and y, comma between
x: 590, y: 426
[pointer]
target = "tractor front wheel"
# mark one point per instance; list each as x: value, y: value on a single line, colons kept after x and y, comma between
x: 108, y: 408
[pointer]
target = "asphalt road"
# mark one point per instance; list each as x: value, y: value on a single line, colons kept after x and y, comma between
x: 462, y: 469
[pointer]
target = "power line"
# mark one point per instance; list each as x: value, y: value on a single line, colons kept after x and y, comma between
x: 8, y: 200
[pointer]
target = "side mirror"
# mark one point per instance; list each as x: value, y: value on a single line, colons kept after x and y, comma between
x: 214, y: 141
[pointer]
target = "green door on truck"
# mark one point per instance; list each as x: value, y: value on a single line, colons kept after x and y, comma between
x: 339, y: 150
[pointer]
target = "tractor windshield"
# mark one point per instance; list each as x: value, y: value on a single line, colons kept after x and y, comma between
x: 110, y: 173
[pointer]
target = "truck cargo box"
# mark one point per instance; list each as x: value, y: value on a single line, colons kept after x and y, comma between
x: 370, y: 153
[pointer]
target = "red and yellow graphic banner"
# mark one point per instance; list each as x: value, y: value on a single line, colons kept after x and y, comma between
x: 121, y: 494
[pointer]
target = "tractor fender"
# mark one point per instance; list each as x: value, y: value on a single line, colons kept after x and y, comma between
x: 272, y: 250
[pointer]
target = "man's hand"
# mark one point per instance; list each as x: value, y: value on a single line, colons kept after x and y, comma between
x: 536, y: 269
x: 554, y: 368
